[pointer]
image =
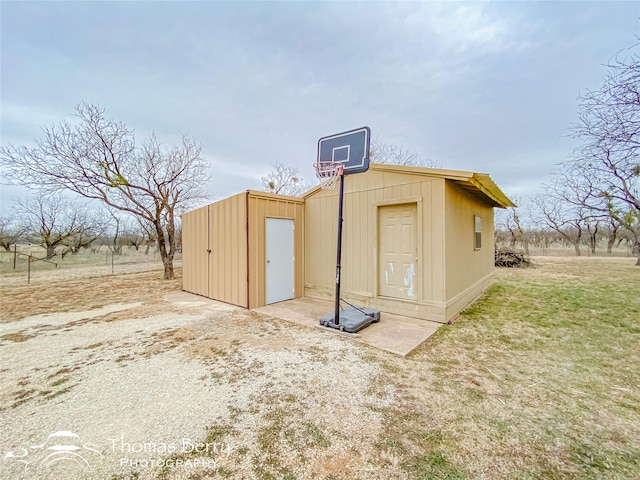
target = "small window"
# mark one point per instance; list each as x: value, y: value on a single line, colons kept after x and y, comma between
x: 477, y: 233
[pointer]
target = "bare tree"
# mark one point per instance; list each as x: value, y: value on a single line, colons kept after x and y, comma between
x: 555, y: 212
x: 115, y: 243
x: 91, y: 225
x: 49, y: 220
x: 397, y: 155
x: 284, y: 180
x: 510, y: 220
x: 97, y: 158
x: 133, y: 235
x: 149, y: 231
x: 10, y: 232
x: 609, y: 125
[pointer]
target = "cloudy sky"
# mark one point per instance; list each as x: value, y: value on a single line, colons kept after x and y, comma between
x: 488, y: 87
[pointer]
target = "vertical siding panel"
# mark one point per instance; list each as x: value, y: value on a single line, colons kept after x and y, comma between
x: 261, y: 207
x: 227, y: 261
x: 232, y: 250
x: 215, y: 245
x: 465, y: 265
x: 194, y: 266
x: 255, y: 216
x: 371, y: 230
x: 438, y: 238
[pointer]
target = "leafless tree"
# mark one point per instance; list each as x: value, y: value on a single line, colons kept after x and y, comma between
x: 48, y: 220
x: 554, y: 212
x: 609, y: 125
x: 10, y: 232
x: 397, y: 155
x: 97, y: 158
x: 115, y: 240
x: 149, y: 231
x: 511, y: 220
x: 91, y: 225
x: 132, y: 234
x: 284, y: 180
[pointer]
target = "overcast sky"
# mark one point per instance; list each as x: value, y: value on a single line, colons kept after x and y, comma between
x: 486, y: 87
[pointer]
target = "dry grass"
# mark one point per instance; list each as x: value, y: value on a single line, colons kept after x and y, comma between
x: 539, y: 379
x: 85, y: 293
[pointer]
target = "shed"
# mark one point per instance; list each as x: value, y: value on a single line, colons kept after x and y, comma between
x: 246, y: 249
x: 416, y: 241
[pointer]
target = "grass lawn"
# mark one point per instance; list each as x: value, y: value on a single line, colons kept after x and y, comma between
x: 538, y: 379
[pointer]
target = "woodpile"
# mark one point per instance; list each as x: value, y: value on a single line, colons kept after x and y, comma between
x: 505, y: 257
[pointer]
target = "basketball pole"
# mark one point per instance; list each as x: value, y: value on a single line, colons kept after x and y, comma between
x: 336, y: 317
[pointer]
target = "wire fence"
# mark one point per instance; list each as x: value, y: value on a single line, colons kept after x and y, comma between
x: 29, y: 263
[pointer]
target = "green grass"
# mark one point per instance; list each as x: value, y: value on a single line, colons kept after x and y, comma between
x: 538, y: 379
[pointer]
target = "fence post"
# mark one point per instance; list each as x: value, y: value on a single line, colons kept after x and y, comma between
x: 29, y: 270
x: 15, y: 254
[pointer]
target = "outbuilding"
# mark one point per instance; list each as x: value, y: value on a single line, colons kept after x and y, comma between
x: 246, y: 249
x: 416, y: 242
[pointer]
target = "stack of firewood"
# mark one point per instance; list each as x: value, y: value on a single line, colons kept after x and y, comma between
x: 505, y: 257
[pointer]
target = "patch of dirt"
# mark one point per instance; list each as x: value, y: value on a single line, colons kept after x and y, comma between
x: 19, y: 301
x: 283, y: 397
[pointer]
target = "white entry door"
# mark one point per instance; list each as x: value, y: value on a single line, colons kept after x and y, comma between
x: 280, y: 260
x: 398, y: 255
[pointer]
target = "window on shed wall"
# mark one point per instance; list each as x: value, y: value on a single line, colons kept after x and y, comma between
x: 477, y: 232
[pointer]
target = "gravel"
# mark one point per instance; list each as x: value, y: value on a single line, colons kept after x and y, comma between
x: 258, y: 396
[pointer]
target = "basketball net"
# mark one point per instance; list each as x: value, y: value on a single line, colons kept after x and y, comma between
x: 328, y: 173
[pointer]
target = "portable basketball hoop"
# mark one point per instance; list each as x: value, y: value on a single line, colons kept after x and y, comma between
x: 339, y: 155
x: 328, y: 173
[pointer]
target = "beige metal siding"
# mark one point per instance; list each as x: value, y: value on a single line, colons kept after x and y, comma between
x: 194, y: 251
x: 228, y: 244
x: 261, y: 207
x: 365, y: 194
x: 466, y: 266
x: 234, y: 230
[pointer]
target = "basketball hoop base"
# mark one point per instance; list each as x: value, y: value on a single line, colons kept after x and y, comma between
x: 352, y: 319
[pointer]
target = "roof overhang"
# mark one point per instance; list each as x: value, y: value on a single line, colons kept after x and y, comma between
x: 480, y: 185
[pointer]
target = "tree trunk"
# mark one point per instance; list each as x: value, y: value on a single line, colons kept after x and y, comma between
x: 51, y: 251
x: 576, y: 245
x: 167, y: 261
x: 166, y: 254
x: 610, y: 243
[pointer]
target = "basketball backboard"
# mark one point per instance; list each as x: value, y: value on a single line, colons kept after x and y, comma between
x: 349, y: 148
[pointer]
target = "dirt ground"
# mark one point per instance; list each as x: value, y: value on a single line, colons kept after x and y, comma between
x: 127, y: 363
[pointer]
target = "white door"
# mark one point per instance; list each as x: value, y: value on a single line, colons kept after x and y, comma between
x: 280, y: 260
x: 397, y: 264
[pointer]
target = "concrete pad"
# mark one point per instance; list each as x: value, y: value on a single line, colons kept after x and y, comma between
x: 393, y: 333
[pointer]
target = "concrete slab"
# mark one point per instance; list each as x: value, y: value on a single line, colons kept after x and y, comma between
x: 393, y: 333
